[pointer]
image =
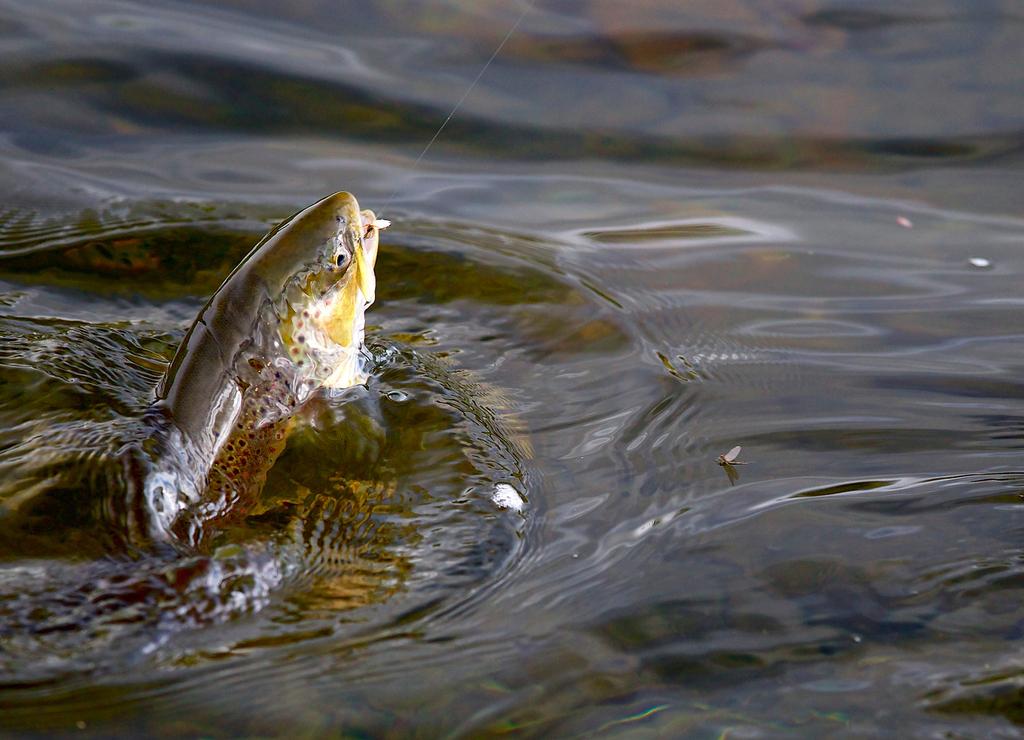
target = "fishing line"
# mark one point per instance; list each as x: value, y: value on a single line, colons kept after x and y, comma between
x: 512, y: 30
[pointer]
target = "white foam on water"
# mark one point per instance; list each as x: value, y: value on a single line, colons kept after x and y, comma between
x: 507, y: 497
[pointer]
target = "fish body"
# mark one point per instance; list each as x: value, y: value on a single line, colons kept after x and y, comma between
x: 141, y: 525
x: 286, y: 322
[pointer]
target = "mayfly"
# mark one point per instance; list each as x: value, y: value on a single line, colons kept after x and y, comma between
x: 729, y: 458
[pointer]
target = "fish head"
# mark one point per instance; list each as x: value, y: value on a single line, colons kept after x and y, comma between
x: 292, y: 311
x: 322, y: 329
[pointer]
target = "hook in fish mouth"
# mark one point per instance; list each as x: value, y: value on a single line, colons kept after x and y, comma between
x: 378, y: 223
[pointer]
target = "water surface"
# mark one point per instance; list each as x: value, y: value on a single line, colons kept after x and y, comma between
x: 647, y: 236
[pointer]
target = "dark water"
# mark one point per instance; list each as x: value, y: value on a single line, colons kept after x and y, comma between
x: 653, y: 231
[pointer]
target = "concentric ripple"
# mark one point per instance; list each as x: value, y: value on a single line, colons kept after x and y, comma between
x: 520, y: 518
x: 398, y: 516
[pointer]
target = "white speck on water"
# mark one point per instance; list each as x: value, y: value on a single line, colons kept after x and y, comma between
x: 979, y: 262
x: 646, y: 527
x: 506, y: 497
x: 905, y: 222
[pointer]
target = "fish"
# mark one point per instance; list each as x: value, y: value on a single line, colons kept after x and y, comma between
x: 123, y: 517
x: 154, y: 521
x: 286, y: 323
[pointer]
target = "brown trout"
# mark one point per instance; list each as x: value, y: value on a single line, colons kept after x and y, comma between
x: 139, y: 526
x: 285, y: 323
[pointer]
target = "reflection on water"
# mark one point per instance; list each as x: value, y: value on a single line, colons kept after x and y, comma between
x: 650, y: 234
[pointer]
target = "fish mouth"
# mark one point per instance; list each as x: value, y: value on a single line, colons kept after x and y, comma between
x: 365, y: 253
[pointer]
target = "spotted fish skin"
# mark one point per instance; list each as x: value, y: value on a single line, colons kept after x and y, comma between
x: 286, y: 322
x: 239, y: 471
x: 122, y: 517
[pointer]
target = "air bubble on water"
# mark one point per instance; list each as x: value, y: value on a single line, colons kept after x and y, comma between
x: 506, y: 497
x: 979, y: 262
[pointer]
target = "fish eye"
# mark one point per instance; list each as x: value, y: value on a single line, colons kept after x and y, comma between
x: 342, y: 258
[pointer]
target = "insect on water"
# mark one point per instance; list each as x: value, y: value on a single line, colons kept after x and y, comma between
x: 729, y: 458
